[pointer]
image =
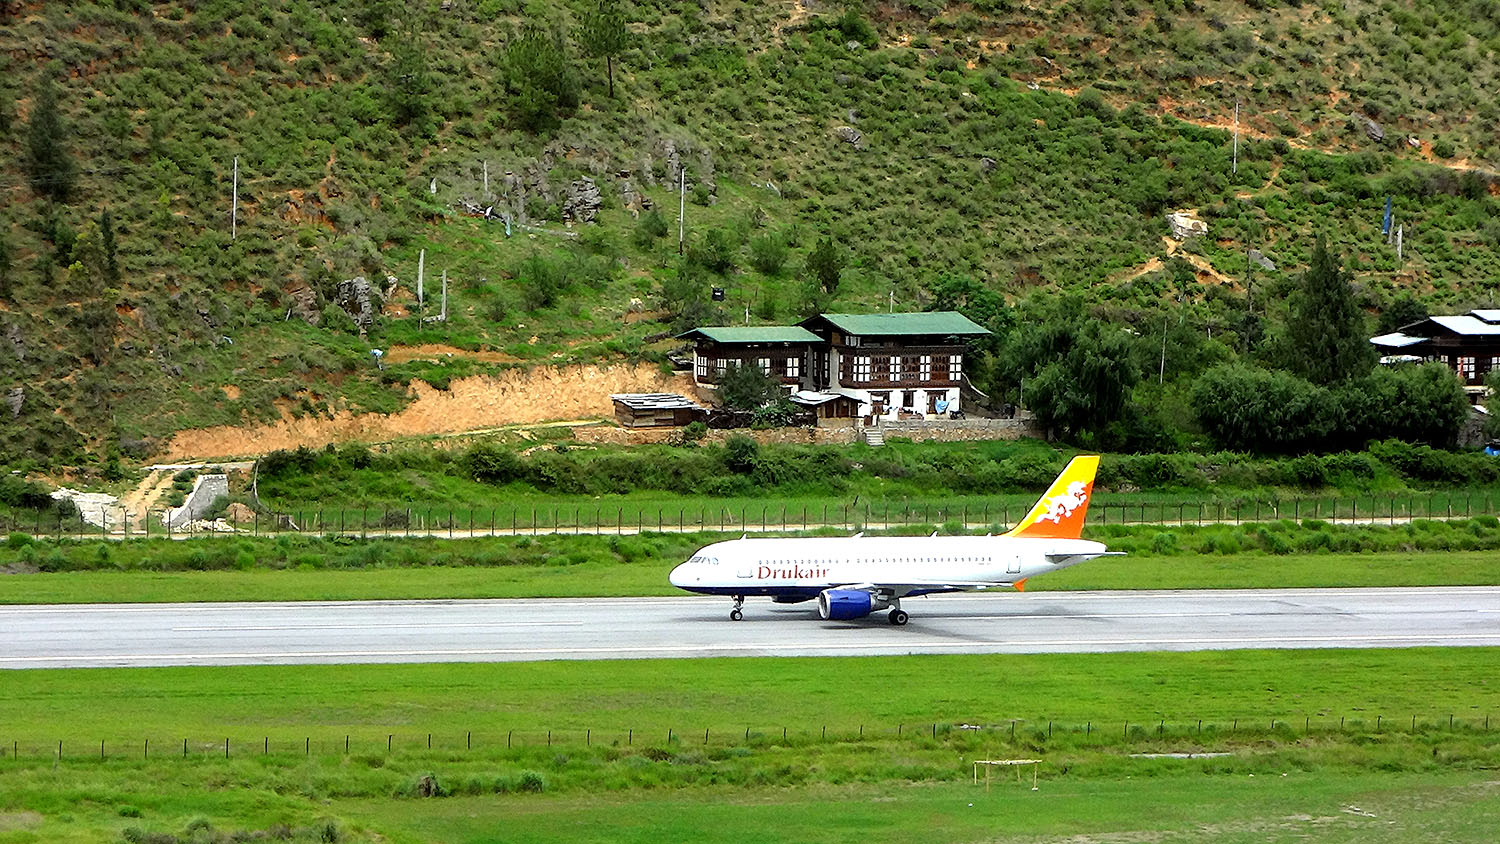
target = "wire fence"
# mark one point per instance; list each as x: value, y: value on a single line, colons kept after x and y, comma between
x: 1030, y: 733
x: 708, y: 515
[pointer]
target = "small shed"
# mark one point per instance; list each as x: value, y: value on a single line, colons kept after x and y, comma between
x: 827, y: 405
x: 655, y: 410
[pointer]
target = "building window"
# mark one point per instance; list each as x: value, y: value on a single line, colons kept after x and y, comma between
x: 908, y: 399
x: 895, y: 368
x: 701, y: 367
x: 862, y: 369
x: 956, y: 368
x: 765, y: 365
x: 791, y: 367
x: 720, y: 365
x: 926, y: 368
x: 1466, y: 367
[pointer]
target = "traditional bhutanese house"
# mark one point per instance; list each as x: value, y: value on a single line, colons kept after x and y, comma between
x: 1468, y: 343
x: 654, y: 410
x: 780, y: 351
x: 895, y: 365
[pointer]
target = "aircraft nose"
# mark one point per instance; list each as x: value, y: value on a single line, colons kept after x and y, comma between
x: 678, y: 577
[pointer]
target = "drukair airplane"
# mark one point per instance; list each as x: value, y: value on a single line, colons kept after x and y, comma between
x: 854, y: 576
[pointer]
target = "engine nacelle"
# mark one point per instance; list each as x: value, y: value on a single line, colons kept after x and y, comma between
x: 846, y: 604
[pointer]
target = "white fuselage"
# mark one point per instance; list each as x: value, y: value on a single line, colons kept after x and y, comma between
x: 911, y: 564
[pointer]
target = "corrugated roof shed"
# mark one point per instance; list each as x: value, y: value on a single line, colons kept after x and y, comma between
x: 888, y: 325
x: 753, y: 334
x: 653, y: 401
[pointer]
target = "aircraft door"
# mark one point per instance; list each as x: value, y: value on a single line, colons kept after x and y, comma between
x: 1013, y: 564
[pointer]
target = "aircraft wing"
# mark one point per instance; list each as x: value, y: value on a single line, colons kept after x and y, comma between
x: 1081, y: 558
x: 906, y: 587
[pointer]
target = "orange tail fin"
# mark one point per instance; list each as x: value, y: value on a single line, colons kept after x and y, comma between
x: 1059, y: 513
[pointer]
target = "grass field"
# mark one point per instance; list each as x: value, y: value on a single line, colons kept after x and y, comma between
x: 561, y: 574
x: 625, y: 780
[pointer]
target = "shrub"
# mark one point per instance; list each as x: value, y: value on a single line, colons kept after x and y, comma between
x: 652, y: 227
x: 768, y: 253
x: 532, y: 782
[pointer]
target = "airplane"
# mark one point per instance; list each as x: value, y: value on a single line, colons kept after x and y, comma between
x: 852, y: 577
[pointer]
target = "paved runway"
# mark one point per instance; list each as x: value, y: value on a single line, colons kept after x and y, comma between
x: 624, y: 628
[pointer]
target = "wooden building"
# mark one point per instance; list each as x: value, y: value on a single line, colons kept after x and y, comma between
x: 897, y: 366
x: 1468, y: 343
x: 655, y: 410
x: 780, y: 351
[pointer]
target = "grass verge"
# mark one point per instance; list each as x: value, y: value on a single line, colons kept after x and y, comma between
x: 579, y: 567
x: 287, y: 765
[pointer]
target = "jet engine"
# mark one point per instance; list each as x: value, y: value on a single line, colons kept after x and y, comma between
x: 845, y: 604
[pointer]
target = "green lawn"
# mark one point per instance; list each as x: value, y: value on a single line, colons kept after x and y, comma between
x: 289, y: 703
x: 1338, y: 776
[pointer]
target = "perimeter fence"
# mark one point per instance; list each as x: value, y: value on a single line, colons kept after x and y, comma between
x: 1034, y: 734
x: 707, y: 515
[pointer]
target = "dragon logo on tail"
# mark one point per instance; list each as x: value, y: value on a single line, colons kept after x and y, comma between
x: 1059, y: 507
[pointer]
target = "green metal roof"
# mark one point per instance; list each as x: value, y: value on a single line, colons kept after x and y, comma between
x: 754, y: 334
x: 931, y: 322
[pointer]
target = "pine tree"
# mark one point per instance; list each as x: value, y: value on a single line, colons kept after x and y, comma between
x: 50, y: 167
x: 408, y: 81
x: 826, y: 265
x: 605, y: 36
x: 540, y: 78
x: 1326, y: 339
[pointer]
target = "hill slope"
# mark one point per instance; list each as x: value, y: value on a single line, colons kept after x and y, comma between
x: 910, y: 135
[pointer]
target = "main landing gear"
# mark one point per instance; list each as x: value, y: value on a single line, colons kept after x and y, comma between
x: 736, y: 614
x: 898, y: 616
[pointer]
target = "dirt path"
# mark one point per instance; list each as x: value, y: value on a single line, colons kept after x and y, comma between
x: 138, y: 502
x: 517, y: 396
x: 435, y: 352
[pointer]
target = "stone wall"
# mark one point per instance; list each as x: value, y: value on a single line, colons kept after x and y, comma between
x: 206, y: 490
x: 831, y: 432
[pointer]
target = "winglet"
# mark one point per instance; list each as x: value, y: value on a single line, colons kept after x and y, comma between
x: 1021, y: 584
x: 1060, y: 512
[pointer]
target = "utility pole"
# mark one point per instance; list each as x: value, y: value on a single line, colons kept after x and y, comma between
x: 421, y: 265
x: 681, y: 208
x: 1236, y: 165
x: 486, y: 180
x: 234, y: 203
x: 443, y: 313
x: 1161, y: 374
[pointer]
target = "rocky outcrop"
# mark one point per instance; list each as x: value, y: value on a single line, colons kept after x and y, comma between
x: 583, y: 201
x: 357, y: 297
x: 15, y: 400
x: 304, y: 303
x: 1185, y: 225
x: 850, y: 135
x: 17, y: 342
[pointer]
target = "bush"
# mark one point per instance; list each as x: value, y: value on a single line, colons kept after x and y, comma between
x: 741, y: 453
x: 768, y: 253
x: 651, y: 228
x: 531, y: 782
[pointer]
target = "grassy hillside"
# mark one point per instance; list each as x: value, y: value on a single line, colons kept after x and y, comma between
x: 363, y: 131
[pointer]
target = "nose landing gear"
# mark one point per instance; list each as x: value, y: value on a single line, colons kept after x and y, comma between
x: 736, y: 614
